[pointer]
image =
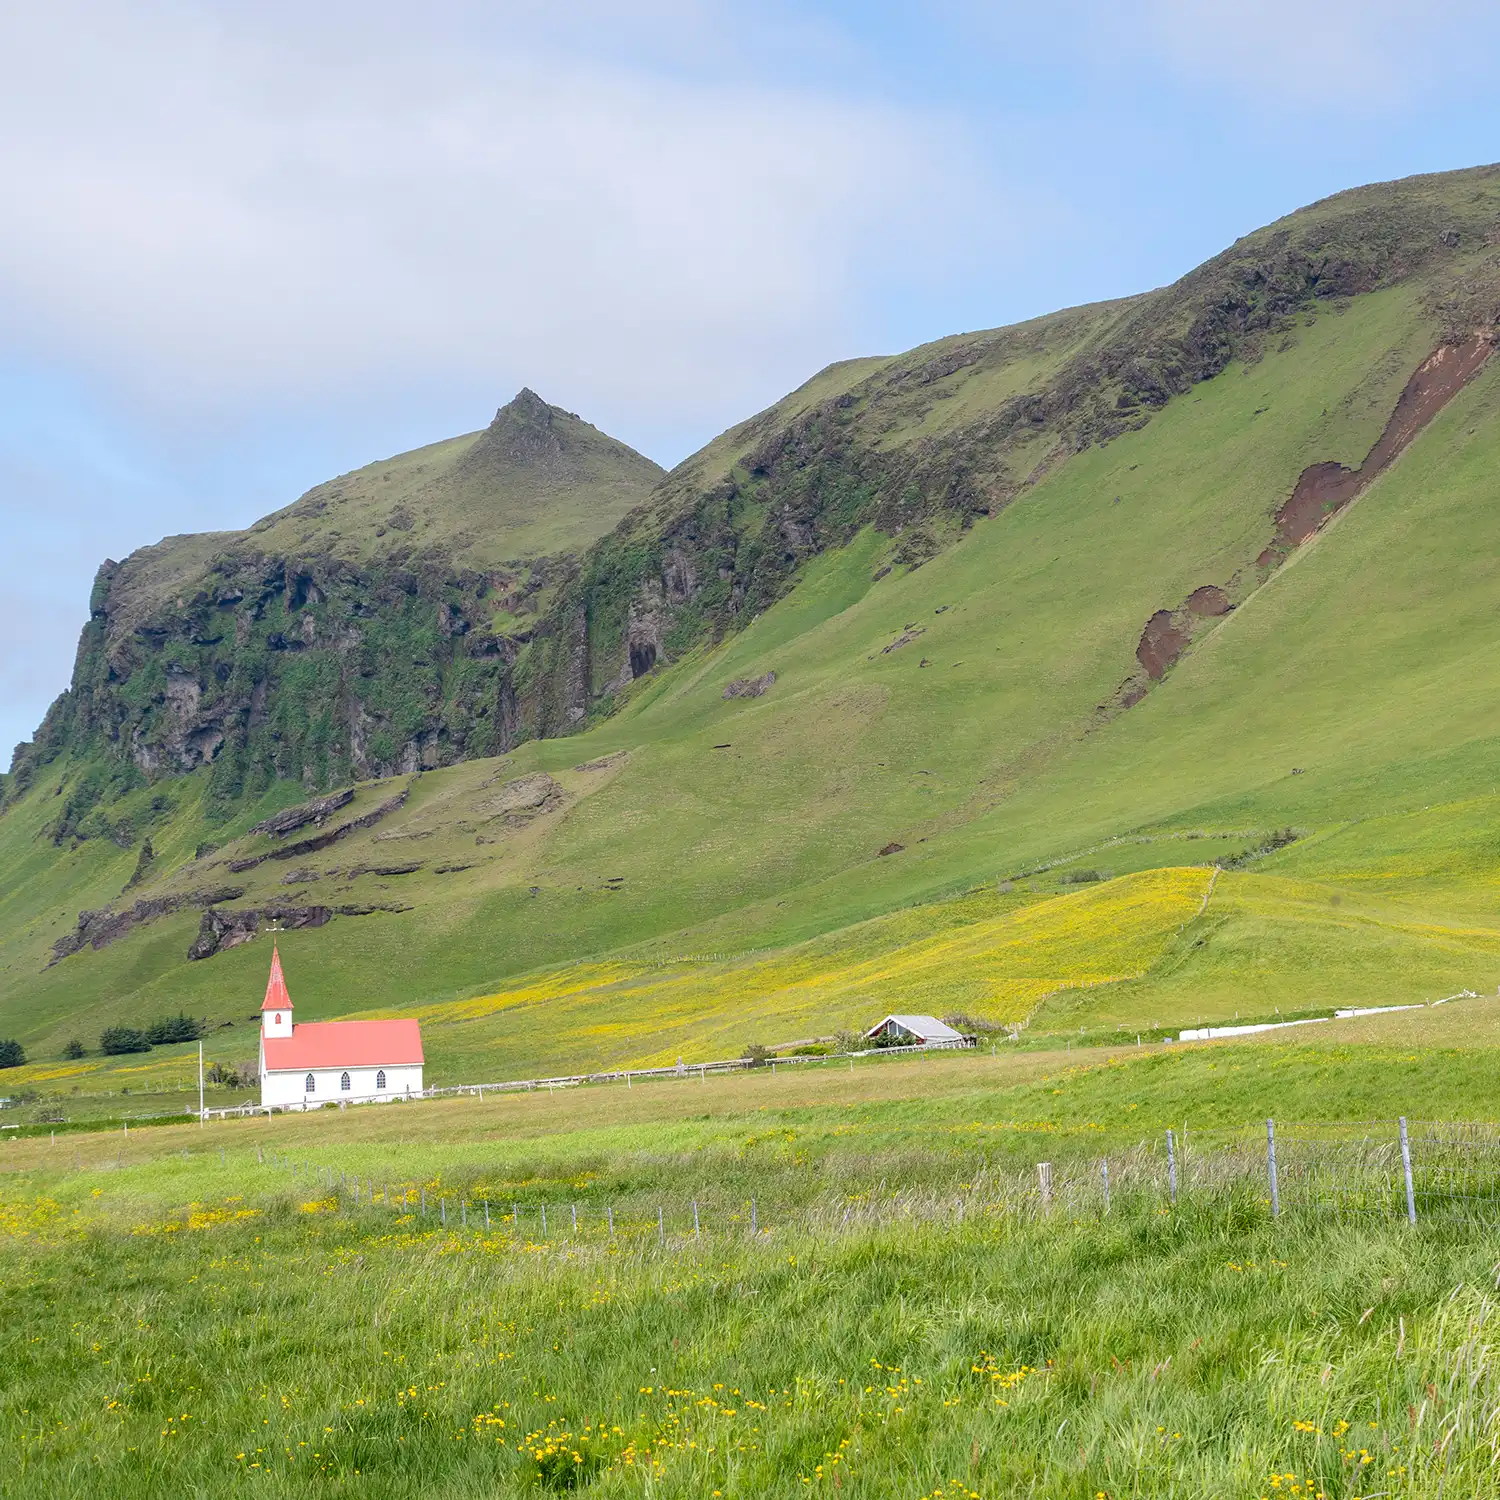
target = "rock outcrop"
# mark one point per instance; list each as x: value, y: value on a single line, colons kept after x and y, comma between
x: 98, y: 929
x: 228, y: 927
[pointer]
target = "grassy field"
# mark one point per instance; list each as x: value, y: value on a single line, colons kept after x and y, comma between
x: 210, y: 1311
x: 1149, y: 953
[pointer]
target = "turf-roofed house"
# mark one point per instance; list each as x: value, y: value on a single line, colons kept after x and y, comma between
x: 323, y: 1062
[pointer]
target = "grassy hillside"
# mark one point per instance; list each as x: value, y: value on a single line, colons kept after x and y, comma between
x: 954, y: 738
x: 537, y: 482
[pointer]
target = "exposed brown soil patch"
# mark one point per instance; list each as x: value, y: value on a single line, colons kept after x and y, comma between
x: 1209, y: 602
x: 604, y: 763
x: 1162, y: 642
x: 1324, y: 489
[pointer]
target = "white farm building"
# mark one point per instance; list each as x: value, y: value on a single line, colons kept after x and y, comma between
x: 916, y: 1031
x: 332, y: 1062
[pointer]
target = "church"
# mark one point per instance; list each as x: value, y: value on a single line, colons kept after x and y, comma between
x: 311, y: 1063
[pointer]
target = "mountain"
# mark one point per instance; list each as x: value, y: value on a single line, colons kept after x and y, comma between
x: 369, y: 627
x: 1134, y: 665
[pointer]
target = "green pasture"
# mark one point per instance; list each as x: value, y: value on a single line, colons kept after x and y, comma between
x: 209, y: 1311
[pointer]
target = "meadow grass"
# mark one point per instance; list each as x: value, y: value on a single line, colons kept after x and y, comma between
x: 177, y: 1324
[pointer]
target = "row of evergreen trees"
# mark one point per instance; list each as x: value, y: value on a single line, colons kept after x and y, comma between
x: 116, y: 1040
x: 120, y: 1039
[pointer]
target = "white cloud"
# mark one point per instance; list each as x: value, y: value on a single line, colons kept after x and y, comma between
x: 1280, y: 59
x: 230, y: 202
x: 1369, y: 55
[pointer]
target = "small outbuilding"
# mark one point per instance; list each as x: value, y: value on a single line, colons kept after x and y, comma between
x: 916, y: 1031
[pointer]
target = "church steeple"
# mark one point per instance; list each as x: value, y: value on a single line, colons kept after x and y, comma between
x: 276, y: 1009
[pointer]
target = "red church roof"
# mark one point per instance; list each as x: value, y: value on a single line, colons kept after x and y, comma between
x: 343, y: 1044
x: 277, y: 997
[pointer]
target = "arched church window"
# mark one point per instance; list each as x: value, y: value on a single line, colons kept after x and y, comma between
x: 380, y: 1079
x: 310, y: 1084
x: 344, y: 1083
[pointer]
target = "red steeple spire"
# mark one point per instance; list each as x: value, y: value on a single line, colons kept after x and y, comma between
x: 277, y: 997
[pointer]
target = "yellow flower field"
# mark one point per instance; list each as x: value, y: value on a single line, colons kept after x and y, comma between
x: 980, y: 957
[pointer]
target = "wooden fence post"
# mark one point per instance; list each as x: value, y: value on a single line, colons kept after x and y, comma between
x: 1044, y: 1181
x: 1172, y: 1168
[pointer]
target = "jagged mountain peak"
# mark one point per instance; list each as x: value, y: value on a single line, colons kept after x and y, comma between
x: 527, y: 406
x: 532, y: 433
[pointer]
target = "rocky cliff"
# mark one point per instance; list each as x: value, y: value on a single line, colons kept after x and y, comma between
x: 371, y: 628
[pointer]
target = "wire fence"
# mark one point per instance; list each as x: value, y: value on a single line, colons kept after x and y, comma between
x: 1375, y: 1172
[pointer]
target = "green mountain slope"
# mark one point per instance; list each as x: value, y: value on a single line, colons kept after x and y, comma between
x: 1154, y: 652
x: 537, y: 482
x: 372, y: 625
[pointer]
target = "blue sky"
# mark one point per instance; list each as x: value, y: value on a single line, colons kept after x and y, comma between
x: 245, y: 248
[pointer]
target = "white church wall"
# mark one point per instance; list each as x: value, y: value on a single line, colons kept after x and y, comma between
x: 289, y: 1088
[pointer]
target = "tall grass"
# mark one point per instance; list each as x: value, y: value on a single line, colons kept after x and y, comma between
x: 189, y: 1329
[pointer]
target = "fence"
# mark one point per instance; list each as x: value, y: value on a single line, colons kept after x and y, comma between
x: 627, y: 1076
x: 1376, y: 1172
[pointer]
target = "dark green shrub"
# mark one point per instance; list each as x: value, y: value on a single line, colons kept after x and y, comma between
x: 12, y: 1054
x: 73, y: 1050
x: 178, y: 1028
x: 231, y: 1075
x: 120, y: 1039
x: 756, y: 1055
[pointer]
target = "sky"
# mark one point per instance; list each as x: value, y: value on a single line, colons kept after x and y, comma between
x: 246, y: 247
